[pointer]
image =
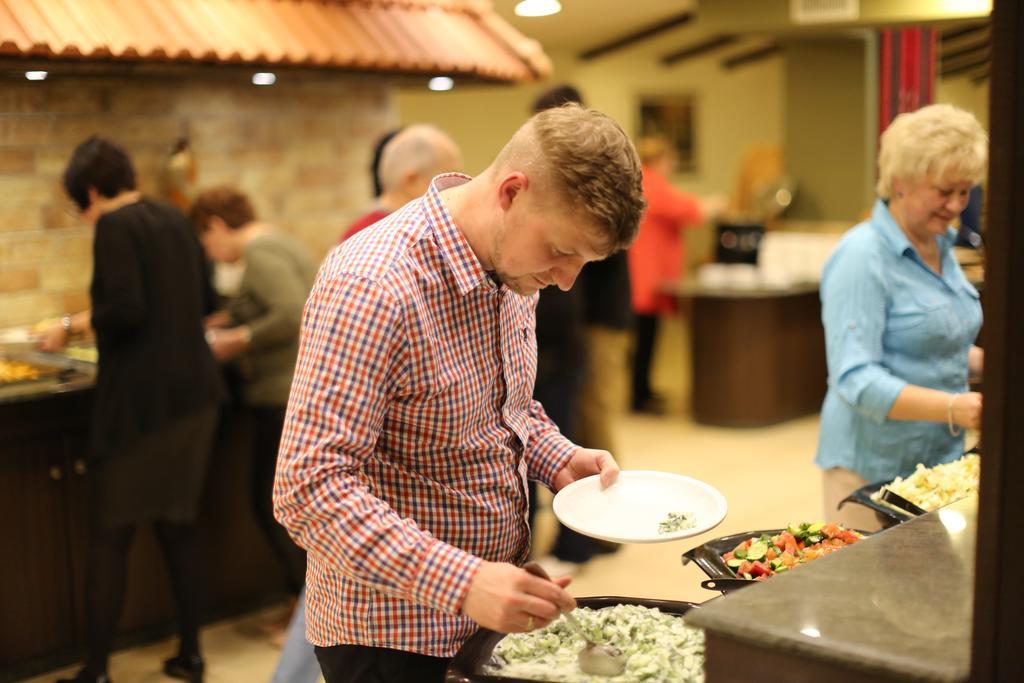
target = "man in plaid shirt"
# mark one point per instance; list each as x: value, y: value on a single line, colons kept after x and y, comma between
x: 411, y: 431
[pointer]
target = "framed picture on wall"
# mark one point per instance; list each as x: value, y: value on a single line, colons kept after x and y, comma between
x: 671, y: 117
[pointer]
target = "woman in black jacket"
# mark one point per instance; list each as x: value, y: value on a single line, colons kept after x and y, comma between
x: 157, y: 392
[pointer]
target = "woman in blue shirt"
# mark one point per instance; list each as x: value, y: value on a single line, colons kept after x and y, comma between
x: 900, y: 317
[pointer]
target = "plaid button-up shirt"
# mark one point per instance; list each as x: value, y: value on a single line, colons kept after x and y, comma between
x: 410, y: 433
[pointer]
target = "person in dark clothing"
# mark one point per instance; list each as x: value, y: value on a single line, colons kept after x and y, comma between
x: 157, y: 395
x: 969, y: 234
x: 378, y: 152
x: 566, y: 363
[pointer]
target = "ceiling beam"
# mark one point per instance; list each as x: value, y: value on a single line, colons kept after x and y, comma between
x: 969, y: 57
x: 981, y: 55
x: 981, y: 74
x: 968, y: 39
x: 752, y: 55
x: 952, y: 71
x: 637, y: 36
x: 697, y: 49
x: 965, y: 50
x: 961, y: 31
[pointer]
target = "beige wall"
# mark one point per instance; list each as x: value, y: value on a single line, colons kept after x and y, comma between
x: 480, y: 118
x: 962, y: 92
x: 827, y: 84
x: 301, y: 150
x: 734, y: 110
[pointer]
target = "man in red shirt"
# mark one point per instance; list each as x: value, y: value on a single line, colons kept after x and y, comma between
x: 407, y: 163
x: 411, y: 431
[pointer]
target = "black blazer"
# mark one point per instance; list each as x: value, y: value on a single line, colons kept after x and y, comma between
x: 150, y: 290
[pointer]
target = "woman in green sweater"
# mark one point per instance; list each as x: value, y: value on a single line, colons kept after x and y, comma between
x: 260, y: 330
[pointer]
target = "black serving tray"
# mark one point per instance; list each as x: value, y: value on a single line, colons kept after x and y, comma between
x: 708, y: 557
x: 468, y: 664
x: 887, y: 515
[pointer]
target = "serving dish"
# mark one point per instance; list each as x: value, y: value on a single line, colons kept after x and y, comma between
x: 895, y: 510
x: 17, y: 371
x: 708, y: 556
x: 468, y: 664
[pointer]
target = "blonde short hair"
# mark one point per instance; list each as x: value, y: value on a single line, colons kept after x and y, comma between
x: 591, y: 162
x: 937, y: 139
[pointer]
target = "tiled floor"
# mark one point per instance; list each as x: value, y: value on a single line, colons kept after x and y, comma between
x: 766, y: 475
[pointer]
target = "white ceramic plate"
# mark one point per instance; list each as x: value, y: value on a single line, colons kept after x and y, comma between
x: 630, y: 510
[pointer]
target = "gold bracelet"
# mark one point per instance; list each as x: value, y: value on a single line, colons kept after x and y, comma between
x: 953, y: 431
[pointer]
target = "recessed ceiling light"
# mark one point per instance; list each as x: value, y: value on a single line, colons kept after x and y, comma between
x: 440, y: 83
x: 36, y: 75
x: 264, y: 78
x: 538, y: 8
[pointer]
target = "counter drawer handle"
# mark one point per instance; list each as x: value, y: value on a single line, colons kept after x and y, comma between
x: 55, y: 473
x: 79, y: 466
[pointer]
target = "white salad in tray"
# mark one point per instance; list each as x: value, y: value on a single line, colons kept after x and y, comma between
x: 659, y: 647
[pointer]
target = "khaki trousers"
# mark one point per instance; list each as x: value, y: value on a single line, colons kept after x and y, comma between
x: 839, y: 483
x: 606, y: 387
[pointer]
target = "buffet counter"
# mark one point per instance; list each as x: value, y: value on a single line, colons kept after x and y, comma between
x: 758, y: 353
x: 44, y: 502
x: 897, y: 605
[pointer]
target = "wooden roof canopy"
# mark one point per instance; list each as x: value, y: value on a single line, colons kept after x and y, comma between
x: 456, y: 37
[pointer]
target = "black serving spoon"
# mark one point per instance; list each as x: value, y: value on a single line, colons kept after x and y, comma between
x: 896, y: 500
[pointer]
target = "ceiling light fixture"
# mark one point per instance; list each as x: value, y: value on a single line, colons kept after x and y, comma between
x: 538, y: 8
x: 264, y: 78
x: 36, y: 75
x: 440, y: 83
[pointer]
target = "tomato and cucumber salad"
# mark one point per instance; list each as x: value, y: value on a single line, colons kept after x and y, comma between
x: 759, y: 558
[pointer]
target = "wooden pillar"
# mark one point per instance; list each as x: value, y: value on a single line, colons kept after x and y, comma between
x: 999, y: 593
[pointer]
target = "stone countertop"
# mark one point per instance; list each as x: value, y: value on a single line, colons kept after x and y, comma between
x: 899, y: 603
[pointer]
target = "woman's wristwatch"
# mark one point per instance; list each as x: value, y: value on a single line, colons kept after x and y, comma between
x: 65, y: 323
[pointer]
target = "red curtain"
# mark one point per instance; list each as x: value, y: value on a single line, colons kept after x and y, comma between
x: 907, y: 66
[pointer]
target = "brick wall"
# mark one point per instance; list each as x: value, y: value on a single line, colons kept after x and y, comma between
x: 301, y: 150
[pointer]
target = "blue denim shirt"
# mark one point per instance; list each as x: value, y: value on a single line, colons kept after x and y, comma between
x: 890, y: 320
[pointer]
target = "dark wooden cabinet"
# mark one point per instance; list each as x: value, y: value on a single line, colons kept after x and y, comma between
x: 44, y: 508
x: 36, y: 593
x: 39, y: 443
x: 758, y: 358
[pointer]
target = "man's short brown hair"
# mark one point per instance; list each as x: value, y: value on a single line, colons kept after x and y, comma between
x: 226, y: 203
x: 593, y: 161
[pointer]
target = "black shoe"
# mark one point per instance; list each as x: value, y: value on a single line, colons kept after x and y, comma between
x: 185, y: 668
x: 86, y: 676
x: 652, y: 405
x: 605, y: 547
